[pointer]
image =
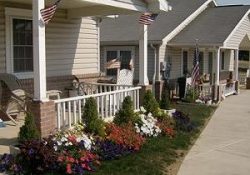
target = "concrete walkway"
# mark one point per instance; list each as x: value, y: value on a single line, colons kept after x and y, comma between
x: 224, y: 146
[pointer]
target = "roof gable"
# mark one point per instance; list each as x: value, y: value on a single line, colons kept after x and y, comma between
x: 212, y: 27
x: 126, y: 27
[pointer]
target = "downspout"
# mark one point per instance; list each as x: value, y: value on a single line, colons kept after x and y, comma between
x: 154, y: 76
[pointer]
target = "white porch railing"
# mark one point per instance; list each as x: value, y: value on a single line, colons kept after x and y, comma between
x: 69, y: 110
x: 206, y: 90
x: 228, y: 89
x: 95, y: 88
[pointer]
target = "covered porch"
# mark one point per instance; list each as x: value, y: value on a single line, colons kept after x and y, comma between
x: 60, y: 113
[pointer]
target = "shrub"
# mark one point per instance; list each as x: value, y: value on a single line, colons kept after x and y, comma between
x: 183, y: 122
x: 90, y: 117
x: 150, y: 103
x: 125, y: 135
x: 191, y: 95
x: 126, y: 114
x: 165, y: 101
x: 29, y: 130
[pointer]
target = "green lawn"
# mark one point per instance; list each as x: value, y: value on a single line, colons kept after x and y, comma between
x: 158, y: 153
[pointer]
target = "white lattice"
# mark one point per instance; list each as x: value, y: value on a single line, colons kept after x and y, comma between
x: 125, y: 77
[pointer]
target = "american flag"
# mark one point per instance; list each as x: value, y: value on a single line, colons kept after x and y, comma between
x: 48, y: 12
x: 195, y: 73
x: 147, y: 18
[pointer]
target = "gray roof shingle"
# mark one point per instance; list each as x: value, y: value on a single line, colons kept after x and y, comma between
x: 212, y: 27
x: 126, y: 27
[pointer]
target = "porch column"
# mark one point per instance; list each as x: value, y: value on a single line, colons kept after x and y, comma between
x: 39, y: 55
x: 143, y: 56
x: 236, y: 64
x: 217, y: 73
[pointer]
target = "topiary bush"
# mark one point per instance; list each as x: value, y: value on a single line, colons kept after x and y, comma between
x: 94, y: 124
x: 29, y: 130
x: 150, y: 103
x: 126, y: 114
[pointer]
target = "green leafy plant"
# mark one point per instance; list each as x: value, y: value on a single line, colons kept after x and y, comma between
x: 165, y: 101
x: 90, y: 117
x: 29, y: 130
x: 191, y: 95
x: 150, y: 103
x: 126, y: 114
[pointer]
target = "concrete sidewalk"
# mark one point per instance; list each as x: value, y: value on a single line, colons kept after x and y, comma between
x: 224, y: 146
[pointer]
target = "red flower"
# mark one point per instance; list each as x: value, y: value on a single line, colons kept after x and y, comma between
x: 68, y: 169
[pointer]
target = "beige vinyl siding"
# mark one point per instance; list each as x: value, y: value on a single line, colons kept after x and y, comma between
x: 71, y: 44
x: 238, y: 35
x: 2, y: 40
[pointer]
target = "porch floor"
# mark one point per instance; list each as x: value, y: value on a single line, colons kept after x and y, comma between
x: 8, y: 134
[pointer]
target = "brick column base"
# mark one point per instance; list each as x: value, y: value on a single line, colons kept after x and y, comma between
x: 158, y: 89
x: 45, y: 116
x: 143, y: 91
x: 248, y: 83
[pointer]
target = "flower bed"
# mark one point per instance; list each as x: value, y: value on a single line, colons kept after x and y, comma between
x: 76, y: 152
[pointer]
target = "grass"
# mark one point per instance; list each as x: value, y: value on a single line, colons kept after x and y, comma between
x: 159, y: 153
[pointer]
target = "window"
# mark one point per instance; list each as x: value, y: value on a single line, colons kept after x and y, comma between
x: 222, y: 60
x: 123, y: 54
x: 110, y: 56
x: 201, y: 62
x: 22, y: 45
x: 19, y: 42
x: 184, y: 62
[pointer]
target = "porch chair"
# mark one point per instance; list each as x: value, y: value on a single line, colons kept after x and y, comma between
x: 12, y: 97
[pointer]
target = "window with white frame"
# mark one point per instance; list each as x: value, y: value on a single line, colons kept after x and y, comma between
x: 22, y: 45
x: 19, y: 42
x: 123, y: 54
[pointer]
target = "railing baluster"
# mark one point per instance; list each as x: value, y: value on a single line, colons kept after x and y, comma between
x: 64, y: 114
x: 114, y: 104
x: 69, y: 113
x: 80, y: 110
x: 110, y: 106
x: 102, y: 109
x: 58, y: 117
x: 74, y: 111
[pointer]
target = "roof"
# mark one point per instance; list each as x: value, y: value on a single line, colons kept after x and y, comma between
x: 212, y: 27
x: 126, y: 28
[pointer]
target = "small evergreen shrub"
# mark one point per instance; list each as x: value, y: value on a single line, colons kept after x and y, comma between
x: 29, y: 130
x: 191, y: 95
x: 126, y: 114
x: 165, y: 101
x: 90, y: 117
x: 150, y: 103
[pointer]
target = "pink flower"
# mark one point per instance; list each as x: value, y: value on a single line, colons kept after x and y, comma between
x: 69, y: 170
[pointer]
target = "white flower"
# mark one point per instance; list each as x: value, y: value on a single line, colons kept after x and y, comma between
x: 59, y: 143
x: 55, y: 148
x: 142, y: 109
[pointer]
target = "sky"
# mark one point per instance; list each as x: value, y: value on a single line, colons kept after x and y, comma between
x: 230, y: 2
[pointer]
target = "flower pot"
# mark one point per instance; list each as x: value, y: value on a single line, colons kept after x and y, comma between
x: 14, y: 149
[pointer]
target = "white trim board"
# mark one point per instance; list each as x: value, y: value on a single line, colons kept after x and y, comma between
x: 236, y: 28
